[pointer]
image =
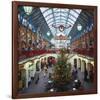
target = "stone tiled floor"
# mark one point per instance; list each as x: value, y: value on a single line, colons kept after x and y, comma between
x: 40, y: 87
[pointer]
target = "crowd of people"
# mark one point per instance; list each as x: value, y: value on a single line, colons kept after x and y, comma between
x: 46, y: 63
x: 43, y: 66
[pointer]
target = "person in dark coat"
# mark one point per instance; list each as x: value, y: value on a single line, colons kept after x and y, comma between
x: 85, y: 75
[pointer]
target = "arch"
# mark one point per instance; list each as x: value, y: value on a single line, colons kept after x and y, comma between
x: 22, y: 78
x: 91, y: 72
x: 85, y: 70
x: 38, y: 65
x: 79, y: 63
x: 83, y: 66
x: 28, y: 66
x: 75, y: 63
x: 42, y: 63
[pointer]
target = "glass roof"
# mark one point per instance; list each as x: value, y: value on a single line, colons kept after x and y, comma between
x: 60, y: 16
x: 50, y: 22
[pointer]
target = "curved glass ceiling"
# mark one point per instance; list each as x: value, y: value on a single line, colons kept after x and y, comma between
x: 60, y: 16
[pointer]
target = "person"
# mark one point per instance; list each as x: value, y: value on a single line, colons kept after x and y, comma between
x: 91, y: 75
x: 77, y: 84
x: 49, y: 75
x: 44, y: 74
x: 53, y: 61
x: 74, y: 74
x: 37, y: 79
x: 42, y: 64
x: 85, y: 75
x: 45, y: 70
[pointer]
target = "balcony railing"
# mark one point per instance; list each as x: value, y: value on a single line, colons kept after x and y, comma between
x: 28, y: 54
x: 86, y: 52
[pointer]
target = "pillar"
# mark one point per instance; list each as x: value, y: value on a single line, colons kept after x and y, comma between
x: 79, y: 63
x: 82, y: 66
x: 27, y: 78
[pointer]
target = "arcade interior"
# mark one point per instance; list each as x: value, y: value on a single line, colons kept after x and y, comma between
x: 55, y: 49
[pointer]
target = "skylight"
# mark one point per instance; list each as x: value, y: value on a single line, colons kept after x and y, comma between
x: 59, y: 16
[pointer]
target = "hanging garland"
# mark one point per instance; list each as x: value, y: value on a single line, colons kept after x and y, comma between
x: 61, y: 27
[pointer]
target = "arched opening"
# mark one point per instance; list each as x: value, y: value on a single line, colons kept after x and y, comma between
x: 38, y: 65
x: 90, y: 72
x: 83, y: 66
x: 75, y: 63
x: 85, y: 71
x: 22, y: 78
x: 45, y: 60
x: 79, y: 63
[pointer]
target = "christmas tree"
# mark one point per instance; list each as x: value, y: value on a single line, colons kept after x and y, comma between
x: 62, y: 69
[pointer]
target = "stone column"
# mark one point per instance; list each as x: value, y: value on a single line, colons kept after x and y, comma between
x: 27, y: 78
x: 82, y: 66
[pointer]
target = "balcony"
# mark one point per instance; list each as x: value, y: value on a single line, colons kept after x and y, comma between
x: 27, y: 54
x: 86, y: 52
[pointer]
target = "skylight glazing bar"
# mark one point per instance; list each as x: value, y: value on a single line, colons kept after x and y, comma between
x: 54, y: 18
x: 67, y: 17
